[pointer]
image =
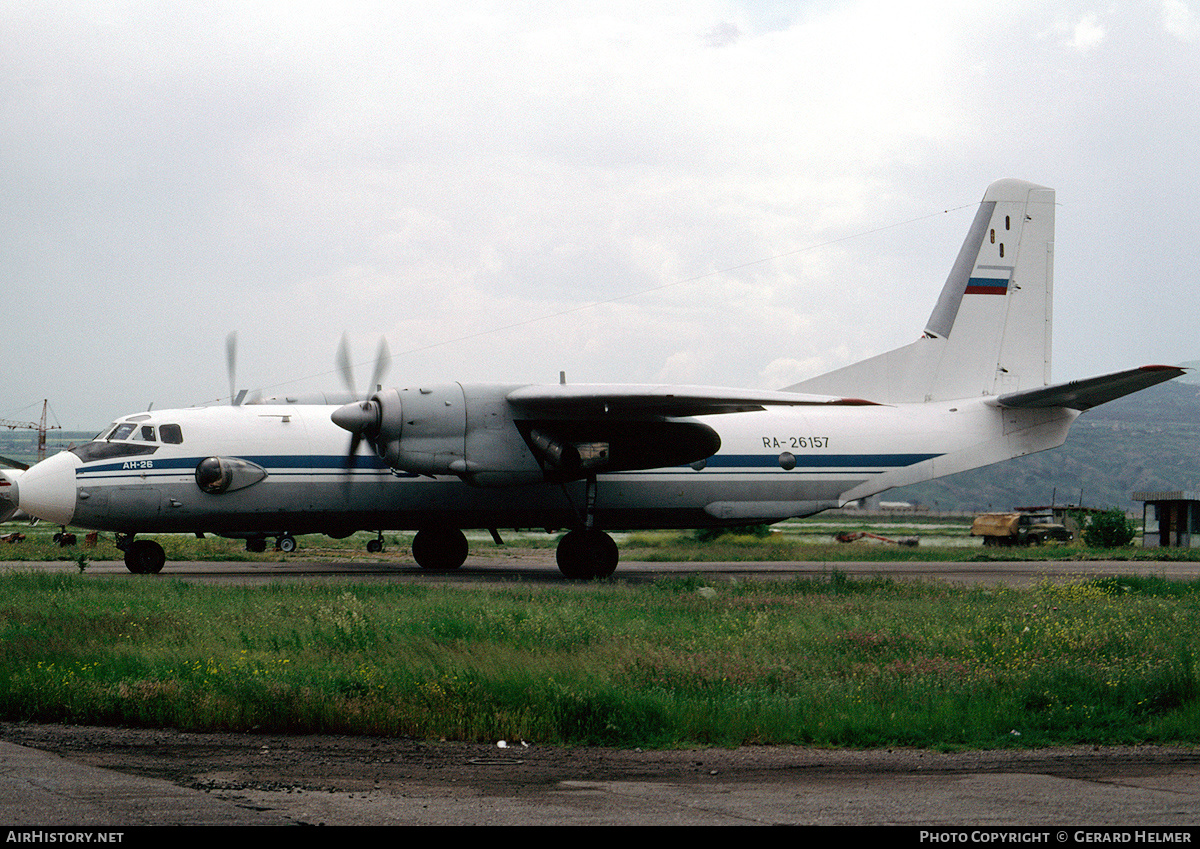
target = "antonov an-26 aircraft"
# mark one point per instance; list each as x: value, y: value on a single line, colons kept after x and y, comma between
x: 974, y: 389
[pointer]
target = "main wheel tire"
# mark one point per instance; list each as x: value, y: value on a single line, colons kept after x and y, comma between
x: 144, y: 557
x: 286, y: 543
x: 586, y: 554
x: 440, y: 549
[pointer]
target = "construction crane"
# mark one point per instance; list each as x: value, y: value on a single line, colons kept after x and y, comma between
x: 40, y: 426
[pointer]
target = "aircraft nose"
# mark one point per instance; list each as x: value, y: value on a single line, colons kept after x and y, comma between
x: 47, y: 490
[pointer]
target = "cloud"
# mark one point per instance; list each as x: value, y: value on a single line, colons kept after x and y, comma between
x: 1178, y: 21
x: 709, y: 191
x: 1088, y: 34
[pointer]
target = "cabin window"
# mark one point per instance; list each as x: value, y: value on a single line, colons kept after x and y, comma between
x: 993, y: 235
x: 1002, y: 249
x: 1007, y: 222
x: 171, y: 434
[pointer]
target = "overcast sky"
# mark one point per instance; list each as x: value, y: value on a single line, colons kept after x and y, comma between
x: 727, y: 193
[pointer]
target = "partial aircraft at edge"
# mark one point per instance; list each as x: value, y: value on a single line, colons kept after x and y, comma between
x: 973, y: 390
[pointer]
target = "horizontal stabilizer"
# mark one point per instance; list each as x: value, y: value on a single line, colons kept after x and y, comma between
x: 578, y: 399
x: 1085, y: 394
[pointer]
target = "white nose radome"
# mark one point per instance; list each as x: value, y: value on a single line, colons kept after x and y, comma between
x: 47, y: 490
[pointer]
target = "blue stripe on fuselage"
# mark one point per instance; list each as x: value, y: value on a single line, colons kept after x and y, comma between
x: 286, y: 465
x: 819, y: 461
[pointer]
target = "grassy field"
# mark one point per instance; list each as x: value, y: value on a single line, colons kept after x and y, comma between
x: 830, y: 662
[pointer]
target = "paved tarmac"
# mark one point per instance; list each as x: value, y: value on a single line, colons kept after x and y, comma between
x: 38, y: 789
x: 1138, y: 788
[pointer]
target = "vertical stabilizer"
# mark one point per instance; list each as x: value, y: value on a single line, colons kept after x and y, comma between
x: 990, y: 331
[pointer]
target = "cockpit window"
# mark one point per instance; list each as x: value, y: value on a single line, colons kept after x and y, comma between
x: 122, y: 430
x: 171, y: 434
x: 145, y: 433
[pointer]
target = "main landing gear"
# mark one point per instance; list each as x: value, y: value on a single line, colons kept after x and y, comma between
x: 142, y: 556
x: 439, y: 549
x: 587, y: 552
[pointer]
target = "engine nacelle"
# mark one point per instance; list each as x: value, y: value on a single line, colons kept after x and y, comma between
x: 474, y: 432
x: 452, y: 429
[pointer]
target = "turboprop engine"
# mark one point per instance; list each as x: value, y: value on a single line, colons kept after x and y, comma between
x: 479, y: 434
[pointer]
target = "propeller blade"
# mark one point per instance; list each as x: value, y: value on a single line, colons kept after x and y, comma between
x: 361, y: 418
x: 355, y: 441
x: 383, y: 359
x: 345, y: 366
x: 231, y: 365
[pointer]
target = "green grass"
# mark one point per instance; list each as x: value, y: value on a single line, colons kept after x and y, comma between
x: 830, y: 662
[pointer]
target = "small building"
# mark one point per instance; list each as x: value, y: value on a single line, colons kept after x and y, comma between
x: 1170, y: 519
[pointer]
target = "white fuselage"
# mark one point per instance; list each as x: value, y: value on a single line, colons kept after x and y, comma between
x: 772, y: 464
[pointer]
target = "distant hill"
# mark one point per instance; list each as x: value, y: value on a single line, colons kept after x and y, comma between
x: 1147, y: 441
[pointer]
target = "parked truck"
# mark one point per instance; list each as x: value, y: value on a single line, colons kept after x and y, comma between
x: 1019, y: 529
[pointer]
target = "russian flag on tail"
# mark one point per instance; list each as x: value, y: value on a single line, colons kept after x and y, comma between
x: 987, y: 286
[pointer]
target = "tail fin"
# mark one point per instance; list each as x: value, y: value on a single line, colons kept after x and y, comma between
x: 989, y: 333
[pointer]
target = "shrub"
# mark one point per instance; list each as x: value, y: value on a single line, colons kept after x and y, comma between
x: 1110, y: 529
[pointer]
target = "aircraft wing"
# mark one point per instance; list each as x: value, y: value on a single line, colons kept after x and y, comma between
x: 1084, y: 394
x: 577, y: 428
x: 584, y: 400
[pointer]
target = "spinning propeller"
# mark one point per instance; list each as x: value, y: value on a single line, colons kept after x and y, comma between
x: 361, y: 418
x: 231, y: 366
x: 236, y: 397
